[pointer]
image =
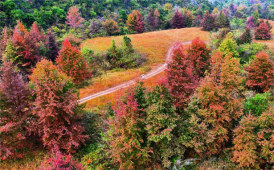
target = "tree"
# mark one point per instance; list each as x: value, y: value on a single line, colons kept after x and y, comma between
x: 262, y: 32
x: 229, y: 46
x: 181, y: 78
x: 260, y: 73
x: 111, y: 27
x: 135, y: 22
x: 123, y: 16
x: 252, y: 143
x: 199, y: 55
x: 256, y: 17
x: 74, y: 19
x: 52, y: 47
x: 208, y: 22
x: 246, y: 37
x: 36, y: 34
x: 114, y: 55
x: 187, y: 18
x: 14, y: 112
x: 216, y: 107
x: 222, y: 21
x: 250, y: 23
x: 197, y: 21
x: 56, y: 108
x: 128, y: 149
x: 161, y: 121
x: 71, y: 62
x: 153, y: 19
x: 177, y: 20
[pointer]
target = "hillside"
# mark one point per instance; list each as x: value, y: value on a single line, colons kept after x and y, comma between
x: 154, y: 44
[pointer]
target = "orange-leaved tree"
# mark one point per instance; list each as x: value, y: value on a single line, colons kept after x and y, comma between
x: 56, y: 108
x: 71, y: 62
x: 260, y: 73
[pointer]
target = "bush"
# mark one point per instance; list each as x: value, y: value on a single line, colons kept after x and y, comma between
x: 229, y: 46
x: 246, y: 37
x: 257, y: 105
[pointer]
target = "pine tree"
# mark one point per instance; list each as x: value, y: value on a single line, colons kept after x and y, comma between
x: 71, y: 62
x: 260, y: 73
x: 56, y: 107
x: 177, y: 20
x: 52, y: 47
x: 74, y: 19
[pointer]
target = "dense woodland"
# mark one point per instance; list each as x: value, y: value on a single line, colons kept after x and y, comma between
x: 215, y: 102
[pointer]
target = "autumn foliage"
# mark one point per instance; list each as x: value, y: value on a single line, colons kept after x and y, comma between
x: 177, y: 20
x: 181, y: 77
x: 253, y: 142
x: 74, y: 19
x: 217, y: 107
x: 135, y: 22
x: 56, y: 109
x: 72, y: 63
x: 14, y: 111
x: 260, y: 73
x: 208, y: 23
x: 262, y: 32
x: 199, y: 54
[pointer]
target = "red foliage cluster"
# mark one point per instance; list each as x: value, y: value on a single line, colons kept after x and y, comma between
x: 262, y: 32
x: 60, y: 162
x: 260, y: 73
x: 177, y: 20
x: 181, y: 78
x: 14, y: 111
x: 208, y: 23
x: 71, y: 62
x: 56, y: 108
x: 199, y: 55
x: 135, y: 22
x: 74, y: 19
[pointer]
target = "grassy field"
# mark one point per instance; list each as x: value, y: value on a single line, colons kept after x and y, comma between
x: 154, y: 44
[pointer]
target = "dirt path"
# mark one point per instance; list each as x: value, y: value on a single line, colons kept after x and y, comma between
x: 150, y: 74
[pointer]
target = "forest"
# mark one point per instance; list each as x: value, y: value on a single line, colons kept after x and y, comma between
x: 136, y: 84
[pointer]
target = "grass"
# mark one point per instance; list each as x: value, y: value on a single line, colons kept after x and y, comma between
x: 154, y: 44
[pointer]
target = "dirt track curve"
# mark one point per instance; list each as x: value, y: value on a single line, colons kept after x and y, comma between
x: 150, y: 74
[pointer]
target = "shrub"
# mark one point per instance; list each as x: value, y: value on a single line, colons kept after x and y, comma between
x: 260, y: 73
x: 111, y: 27
x: 71, y: 62
x: 262, y: 32
x: 56, y: 108
x: 222, y: 21
x: 257, y: 105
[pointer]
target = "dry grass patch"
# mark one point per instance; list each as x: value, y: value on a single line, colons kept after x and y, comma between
x: 154, y: 44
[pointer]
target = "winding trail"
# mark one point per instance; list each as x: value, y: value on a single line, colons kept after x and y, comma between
x: 150, y: 74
